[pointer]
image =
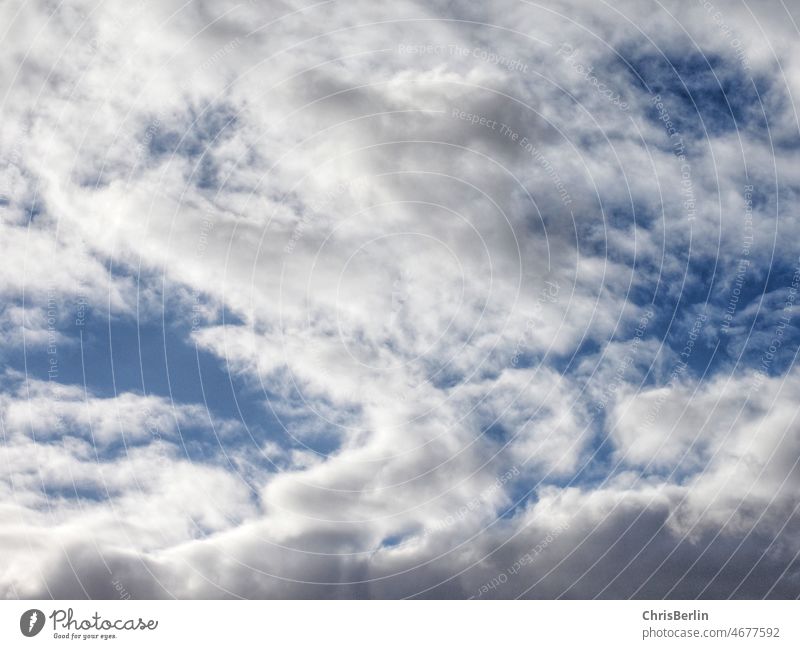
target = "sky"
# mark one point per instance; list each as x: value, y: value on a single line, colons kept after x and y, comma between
x: 409, y: 300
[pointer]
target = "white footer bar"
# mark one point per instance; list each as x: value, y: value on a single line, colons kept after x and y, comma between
x: 393, y: 624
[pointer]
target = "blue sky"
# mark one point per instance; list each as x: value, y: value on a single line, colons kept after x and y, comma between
x: 287, y: 291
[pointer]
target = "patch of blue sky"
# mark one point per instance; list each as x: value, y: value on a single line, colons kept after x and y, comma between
x: 496, y: 432
x: 702, y: 93
x: 600, y: 464
x: 195, y: 137
x: 74, y: 493
x: 115, y: 355
x: 317, y: 426
x: 193, y: 133
x: 394, y: 540
x: 521, y: 494
x: 570, y: 361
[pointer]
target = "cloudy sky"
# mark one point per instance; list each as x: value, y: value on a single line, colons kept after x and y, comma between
x: 419, y: 299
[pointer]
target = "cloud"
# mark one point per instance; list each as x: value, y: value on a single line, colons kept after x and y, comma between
x: 470, y: 306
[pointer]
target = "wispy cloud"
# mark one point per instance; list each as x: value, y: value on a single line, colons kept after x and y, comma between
x: 440, y: 296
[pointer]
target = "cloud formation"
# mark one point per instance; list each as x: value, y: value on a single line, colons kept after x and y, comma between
x: 428, y: 300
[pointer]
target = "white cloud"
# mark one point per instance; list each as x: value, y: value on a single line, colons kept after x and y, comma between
x: 395, y: 280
